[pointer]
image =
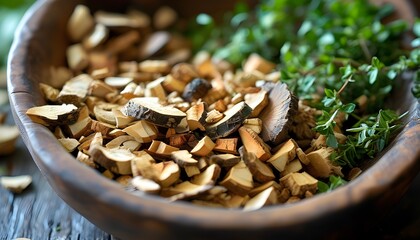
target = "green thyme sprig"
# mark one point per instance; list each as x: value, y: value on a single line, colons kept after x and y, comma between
x: 333, y: 106
x: 333, y: 183
x: 367, y: 137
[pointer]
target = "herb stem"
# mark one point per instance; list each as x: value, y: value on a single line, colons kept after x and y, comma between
x: 344, y: 85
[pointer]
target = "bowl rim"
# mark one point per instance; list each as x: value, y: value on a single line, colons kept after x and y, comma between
x: 370, y: 184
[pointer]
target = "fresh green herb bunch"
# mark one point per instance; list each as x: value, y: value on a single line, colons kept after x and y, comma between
x: 336, y: 50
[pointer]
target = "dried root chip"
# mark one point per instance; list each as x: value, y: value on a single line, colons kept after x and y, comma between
x: 16, y: 184
x: 53, y: 115
x: 8, y: 137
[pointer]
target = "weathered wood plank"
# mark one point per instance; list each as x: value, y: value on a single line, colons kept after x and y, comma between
x: 38, y: 213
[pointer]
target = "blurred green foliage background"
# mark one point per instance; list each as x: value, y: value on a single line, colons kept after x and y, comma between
x: 11, y: 11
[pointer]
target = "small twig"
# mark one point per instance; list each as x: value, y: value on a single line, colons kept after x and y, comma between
x: 344, y: 85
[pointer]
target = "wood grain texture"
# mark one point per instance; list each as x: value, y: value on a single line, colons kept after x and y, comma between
x: 38, y: 213
x: 132, y: 217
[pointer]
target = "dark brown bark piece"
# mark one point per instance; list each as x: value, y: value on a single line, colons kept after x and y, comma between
x: 196, y: 89
x: 154, y: 112
x: 232, y: 120
x: 276, y: 116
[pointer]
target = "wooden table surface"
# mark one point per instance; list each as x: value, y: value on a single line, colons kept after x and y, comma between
x: 39, y: 214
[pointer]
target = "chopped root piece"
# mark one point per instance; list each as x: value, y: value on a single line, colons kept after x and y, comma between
x: 70, y: 144
x: 264, y: 198
x: 253, y: 143
x: 320, y: 164
x: 183, y: 158
x: 226, y: 145
x: 260, y: 171
x: 82, y: 127
x: 214, y: 116
x: 131, y: 145
x: 225, y: 160
x: 165, y: 116
x: 50, y: 93
x: 122, y: 42
x: 53, y: 115
x: 153, y: 44
x: 256, y: 62
x: 80, y: 23
x: 254, y: 123
x: 238, y: 180
x: 169, y: 173
x: 8, y: 137
x: 75, y: 90
x: 299, y: 183
x: 164, y: 17
x: 145, y: 185
x: 85, y: 159
x: 155, y: 66
x: 143, y: 165
x: 247, y: 79
x: 276, y: 116
x: 77, y: 57
x: 155, y: 89
x: 108, y: 174
x: 264, y: 186
x: 162, y: 148
x: 124, y: 180
x: 184, y: 72
x: 208, y: 176
x: 101, y: 127
x: 16, y: 184
x: 196, y: 117
x: 118, y: 141
x: 302, y: 156
x: 116, y: 160
x: 142, y: 131
x: 103, y: 113
x: 232, y: 120
x: 196, y: 89
x: 118, y: 82
x: 293, y: 199
x: 354, y: 173
x: 172, y: 84
x: 186, y: 190
x: 286, y: 153
x: 291, y: 167
x: 257, y: 101
x: 101, y: 89
x: 192, y: 170
x: 96, y: 37
x: 135, y: 19
x: 203, y: 147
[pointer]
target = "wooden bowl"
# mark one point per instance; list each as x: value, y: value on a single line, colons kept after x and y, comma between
x: 40, y: 43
